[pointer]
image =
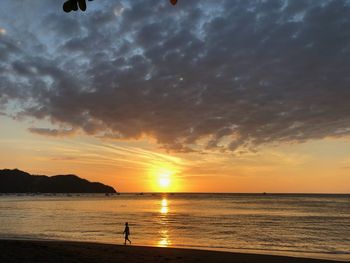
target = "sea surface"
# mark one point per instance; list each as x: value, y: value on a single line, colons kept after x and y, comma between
x: 301, y: 225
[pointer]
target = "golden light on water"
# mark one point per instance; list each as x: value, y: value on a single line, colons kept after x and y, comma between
x: 164, y: 202
x: 164, y: 210
x: 164, y: 240
x: 164, y: 206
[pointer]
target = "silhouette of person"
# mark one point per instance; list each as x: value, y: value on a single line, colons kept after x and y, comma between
x: 126, y: 233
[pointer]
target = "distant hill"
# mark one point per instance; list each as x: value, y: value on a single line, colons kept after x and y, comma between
x: 16, y: 181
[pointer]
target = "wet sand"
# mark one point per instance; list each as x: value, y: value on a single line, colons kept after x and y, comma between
x: 69, y: 252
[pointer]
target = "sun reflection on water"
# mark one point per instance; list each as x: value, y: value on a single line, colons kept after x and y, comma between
x: 164, y: 240
x: 164, y: 206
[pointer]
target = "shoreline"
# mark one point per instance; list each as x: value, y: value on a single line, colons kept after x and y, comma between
x: 283, y: 253
x: 52, y: 251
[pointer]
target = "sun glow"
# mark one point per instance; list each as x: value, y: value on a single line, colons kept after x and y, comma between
x: 163, y: 179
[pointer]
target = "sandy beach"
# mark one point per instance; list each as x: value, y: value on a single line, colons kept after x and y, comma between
x: 62, y: 251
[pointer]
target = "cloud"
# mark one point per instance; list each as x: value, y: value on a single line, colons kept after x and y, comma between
x: 200, y: 76
x: 51, y: 132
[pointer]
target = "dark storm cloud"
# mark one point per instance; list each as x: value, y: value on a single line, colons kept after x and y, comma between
x: 205, y: 74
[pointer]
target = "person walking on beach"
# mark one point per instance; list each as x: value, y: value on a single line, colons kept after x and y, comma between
x: 126, y: 233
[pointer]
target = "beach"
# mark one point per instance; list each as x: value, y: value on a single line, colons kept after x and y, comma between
x: 28, y: 251
x: 314, y: 226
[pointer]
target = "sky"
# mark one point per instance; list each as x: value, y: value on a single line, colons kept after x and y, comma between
x: 204, y: 96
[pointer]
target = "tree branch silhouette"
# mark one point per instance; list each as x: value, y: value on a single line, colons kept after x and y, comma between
x: 74, y: 5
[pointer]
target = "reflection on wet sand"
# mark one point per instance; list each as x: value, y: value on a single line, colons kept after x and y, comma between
x: 164, y: 240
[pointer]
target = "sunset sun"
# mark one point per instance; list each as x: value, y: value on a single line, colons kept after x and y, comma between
x: 163, y: 179
x: 164, y: 182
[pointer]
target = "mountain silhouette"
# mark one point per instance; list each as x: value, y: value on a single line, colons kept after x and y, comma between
x: 17, y: 181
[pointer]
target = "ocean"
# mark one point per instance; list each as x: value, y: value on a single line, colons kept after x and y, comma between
x: 286, y: 224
